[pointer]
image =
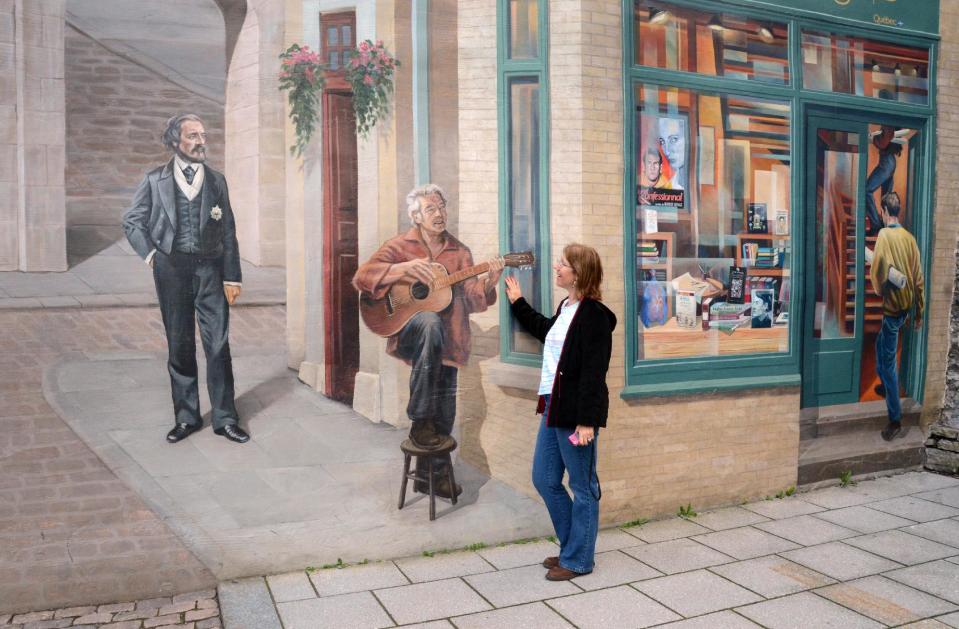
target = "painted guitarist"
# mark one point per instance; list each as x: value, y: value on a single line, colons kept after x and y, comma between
x: 434, y: 344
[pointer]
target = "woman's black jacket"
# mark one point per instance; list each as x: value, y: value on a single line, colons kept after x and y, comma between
x: 580, y: 396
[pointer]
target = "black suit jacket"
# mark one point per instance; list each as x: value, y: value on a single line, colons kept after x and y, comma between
x: 151, y: 221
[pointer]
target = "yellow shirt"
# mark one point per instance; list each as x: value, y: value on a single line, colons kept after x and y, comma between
x: 896, y: 247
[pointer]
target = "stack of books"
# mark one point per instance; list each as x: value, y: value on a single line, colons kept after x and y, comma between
x: 726, y: 316
x: 769, y: 257
x: 647, y: 252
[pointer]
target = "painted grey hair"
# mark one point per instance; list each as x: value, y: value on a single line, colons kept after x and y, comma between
x: 413, y: 198
x: 171, y: 135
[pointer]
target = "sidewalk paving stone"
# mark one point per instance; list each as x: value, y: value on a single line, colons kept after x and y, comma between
x: 435, y: 624
x: 839, y: 561
x: 807, y: 530
x: 887, y: 601
x: 359, y: 610
x: 728, y: 518
x: 948, y: 496
x: 939, y: 578
x: 519, y: 585
x: 622, y: 607
x: 772, y: 576
x: 374, y: 576
x: 666, y: 530
x: 615, y: 568
x: 804, y: 610
x: 902, y: 547
x: 951, y: 620
x: 614, y: 539
x: 915, y: 509
x: 745, y: 543
x: 928, y: 623
x: 719, y: 620
x: 431, y: 601
x: 292, y: 586
x: 444, y: 566
x: 530, y: 615
x: 837, y: 497
x: 696, y: 593
x: 863, y: 519
x: 246, y: 604
x: 515, y: 555
x: 942, y: 531
x: 678, y: 555
x: 783, y: 508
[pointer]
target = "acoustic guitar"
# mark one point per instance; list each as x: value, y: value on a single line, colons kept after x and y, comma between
x: 406, y: 297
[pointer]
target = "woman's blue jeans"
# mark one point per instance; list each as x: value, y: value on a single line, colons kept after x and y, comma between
x: 886, y: 343
x: 575, y: 520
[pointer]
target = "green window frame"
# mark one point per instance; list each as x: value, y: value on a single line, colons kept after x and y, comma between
x: 524, y: 70
x: 754, y: 371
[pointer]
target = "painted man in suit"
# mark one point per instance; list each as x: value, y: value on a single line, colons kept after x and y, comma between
x: 182, y: 225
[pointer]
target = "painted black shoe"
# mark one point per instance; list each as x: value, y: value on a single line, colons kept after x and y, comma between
x: 879, y: 390
x: 181, y: 432
x: 891, y: 430
x: 233, y: 433
x: 423, y: 435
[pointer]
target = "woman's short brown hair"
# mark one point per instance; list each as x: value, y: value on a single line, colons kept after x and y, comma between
x: 588, y: 268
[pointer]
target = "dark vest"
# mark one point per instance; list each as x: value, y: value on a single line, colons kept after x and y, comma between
x: 187, y: 238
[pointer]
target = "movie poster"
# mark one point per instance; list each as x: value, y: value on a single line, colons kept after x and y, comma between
x: 663, y: 156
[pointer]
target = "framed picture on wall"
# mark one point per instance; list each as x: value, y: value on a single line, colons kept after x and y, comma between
x: 756, y: 220
x: 781, y: 226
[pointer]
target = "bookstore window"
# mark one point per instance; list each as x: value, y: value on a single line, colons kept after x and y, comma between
x: 864, y: 67
x: 717, y: 44
x: 713, y: 224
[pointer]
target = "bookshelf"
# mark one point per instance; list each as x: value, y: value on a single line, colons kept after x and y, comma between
x: 661, y: 265
x: 764, y: 240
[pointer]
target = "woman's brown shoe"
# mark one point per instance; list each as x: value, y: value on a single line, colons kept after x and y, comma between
x: 559, y: 573
x: 551, y: 562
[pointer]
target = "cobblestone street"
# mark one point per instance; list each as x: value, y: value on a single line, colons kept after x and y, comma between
x: 70, y: 530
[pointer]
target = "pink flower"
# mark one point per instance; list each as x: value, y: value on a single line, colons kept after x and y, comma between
x: 364, y: 58
x: 379, y: 43
x: 368, y: 80
x: 284, y: 75
x: 365, y: 46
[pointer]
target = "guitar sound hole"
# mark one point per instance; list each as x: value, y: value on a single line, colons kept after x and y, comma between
x: 420, y: 290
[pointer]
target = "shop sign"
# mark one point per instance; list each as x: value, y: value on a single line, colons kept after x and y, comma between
x: 913, y: 15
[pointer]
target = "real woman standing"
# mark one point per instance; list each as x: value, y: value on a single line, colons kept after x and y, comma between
x: 574, y: 402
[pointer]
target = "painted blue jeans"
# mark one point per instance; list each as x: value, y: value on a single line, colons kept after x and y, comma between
x: 886, y: 343
x: 879, y: 179
x: 576, y: 519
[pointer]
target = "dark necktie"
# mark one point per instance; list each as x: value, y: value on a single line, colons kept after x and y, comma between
x: 189, y: 172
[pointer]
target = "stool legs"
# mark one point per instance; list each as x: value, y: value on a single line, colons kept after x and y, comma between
x: 449, y: 474
x: 406, y: 477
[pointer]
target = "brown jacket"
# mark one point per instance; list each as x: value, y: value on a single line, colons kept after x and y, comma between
x: 468, y: 296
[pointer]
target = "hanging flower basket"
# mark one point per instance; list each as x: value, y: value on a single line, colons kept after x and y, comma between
x: 369, y: 70
x: 302, y: 77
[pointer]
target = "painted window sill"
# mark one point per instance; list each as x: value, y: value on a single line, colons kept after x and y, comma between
x: 709, y: 386
x: 522, y: 377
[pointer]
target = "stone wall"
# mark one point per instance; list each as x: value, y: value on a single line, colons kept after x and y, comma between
x: 32, y: 215
x: 950, y: 400
x: 116, y: 111
x: 942, y: 280
x: 9, y: 186
x: 657, y: 453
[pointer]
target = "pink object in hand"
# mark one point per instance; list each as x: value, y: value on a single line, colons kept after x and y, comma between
x: 574, y: 438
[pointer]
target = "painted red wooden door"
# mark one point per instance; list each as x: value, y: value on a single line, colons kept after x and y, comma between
x: 340, y: 243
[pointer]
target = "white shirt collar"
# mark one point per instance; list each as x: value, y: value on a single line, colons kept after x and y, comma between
x: 182, y: 163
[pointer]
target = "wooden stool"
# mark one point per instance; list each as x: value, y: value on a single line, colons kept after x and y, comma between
x: 409, y: 451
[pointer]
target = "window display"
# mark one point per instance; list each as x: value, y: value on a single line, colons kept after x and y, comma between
x: 713, y: 178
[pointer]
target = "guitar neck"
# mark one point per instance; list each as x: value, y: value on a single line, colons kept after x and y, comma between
x: 464, y: 274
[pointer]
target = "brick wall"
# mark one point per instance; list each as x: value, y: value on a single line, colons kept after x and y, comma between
x: 941, y: 282
x: 657, y: 453
x: 116, y: 111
